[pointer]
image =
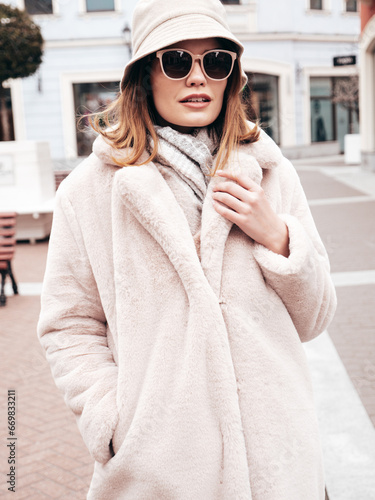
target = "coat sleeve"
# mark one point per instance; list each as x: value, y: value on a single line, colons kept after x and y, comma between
x: 72, y: 330
x: 302, y: 280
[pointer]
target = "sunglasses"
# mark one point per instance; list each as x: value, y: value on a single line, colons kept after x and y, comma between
x: 177, y: 64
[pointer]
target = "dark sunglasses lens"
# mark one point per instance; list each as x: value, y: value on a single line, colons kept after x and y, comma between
x: 176, y: 63
x: 217, y: 64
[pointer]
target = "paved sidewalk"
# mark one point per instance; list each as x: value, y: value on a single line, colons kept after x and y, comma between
x: 52, y: 461
x: 342, y: 200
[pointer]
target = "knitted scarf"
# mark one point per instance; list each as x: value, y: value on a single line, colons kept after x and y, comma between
x: 185, y: 161
x: 189, y: 155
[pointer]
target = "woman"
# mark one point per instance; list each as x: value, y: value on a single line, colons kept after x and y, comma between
x: 184, y: 271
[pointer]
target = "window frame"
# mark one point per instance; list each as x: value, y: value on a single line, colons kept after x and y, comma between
x: 319, y: 71
x: 328, y: 99
x: 350, y: 12
x: 326, y: 8
x: 333, y: 105
x: 276, y: 118
x: 79, y: 108
x: 286, y: 85
x: 55, y: 9
x: 67, y: 102
x: 18, y: 108
x: 83, y: 9
x: 311, y: 8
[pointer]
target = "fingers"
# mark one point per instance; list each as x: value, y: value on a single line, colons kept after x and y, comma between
x: 231, y: 188
x: 241, y: 179
x: 227, y: 213
x: 230, y: 201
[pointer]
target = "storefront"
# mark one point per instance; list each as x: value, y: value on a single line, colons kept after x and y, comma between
x: 264, y: 102
x: 334, y: 108
x: 90, y: 98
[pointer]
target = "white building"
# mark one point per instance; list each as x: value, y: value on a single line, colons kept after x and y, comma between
x: 289, y: 51
x: 367, y: 86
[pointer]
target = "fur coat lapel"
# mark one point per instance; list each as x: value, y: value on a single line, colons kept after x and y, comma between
x: 145, y: 193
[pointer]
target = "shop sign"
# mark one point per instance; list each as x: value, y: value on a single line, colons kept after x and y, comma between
x: 344, y: 60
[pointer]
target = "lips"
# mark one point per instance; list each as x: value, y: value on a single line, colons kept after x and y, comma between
x: 196, y: 98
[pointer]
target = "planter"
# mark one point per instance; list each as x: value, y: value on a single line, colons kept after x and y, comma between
x: 352, y: 149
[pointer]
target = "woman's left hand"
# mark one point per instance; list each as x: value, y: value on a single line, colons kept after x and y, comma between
x: 244, y: 203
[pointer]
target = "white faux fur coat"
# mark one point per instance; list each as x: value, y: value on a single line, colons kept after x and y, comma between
x: 194, y: 369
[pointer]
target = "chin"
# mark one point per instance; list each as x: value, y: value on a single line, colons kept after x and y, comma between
x: 195, y: 123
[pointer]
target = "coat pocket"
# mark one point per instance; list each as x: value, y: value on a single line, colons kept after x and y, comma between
x: 118, y: 436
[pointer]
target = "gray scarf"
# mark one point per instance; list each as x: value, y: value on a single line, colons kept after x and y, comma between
x: 190, y: 156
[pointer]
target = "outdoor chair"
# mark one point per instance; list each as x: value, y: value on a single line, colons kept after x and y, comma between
x: 7, y: 247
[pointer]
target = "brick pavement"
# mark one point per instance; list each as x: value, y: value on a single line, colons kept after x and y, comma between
x: 52, y: 461
x: 348, y: 232
x: 352, y: 332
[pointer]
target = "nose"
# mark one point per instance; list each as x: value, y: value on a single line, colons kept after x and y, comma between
x: 196, y: 76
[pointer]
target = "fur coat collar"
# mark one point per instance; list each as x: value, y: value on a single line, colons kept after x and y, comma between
x: 146, y: 194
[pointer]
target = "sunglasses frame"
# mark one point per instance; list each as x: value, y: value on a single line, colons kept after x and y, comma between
x: 160, y: 53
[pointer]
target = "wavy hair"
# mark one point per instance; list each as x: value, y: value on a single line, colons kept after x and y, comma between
x: 126, y: 122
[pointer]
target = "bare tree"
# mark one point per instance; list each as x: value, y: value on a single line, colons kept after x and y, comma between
x: 346, y: 92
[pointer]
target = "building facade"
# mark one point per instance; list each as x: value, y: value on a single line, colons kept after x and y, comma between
x: 289, y: 51
x: 367, y: 83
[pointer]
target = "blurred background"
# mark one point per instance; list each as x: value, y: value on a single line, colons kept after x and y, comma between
x: 311, y: 70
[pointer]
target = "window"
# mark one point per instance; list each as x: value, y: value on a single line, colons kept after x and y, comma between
x: 6, y: 122
x: 316, y: 4
x: 99, y: 5
x: 35, y: 7
x: 351, y: 6
x: 322, y: 124
x: 334, y: 108
x: 90, y: 98
x: 262, y: 96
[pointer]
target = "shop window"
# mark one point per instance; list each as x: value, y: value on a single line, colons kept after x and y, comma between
x: 6, y: 116
x: 100, y: 5
x: 351, y: 6
x: 334, y: 108
x: 316, y: 4
x: 37, y: 7
x: 322, y: 124
x: 90, y: 98
x: 262, y: 96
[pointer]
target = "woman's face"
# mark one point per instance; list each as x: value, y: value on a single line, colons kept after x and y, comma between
x: 173, y: 99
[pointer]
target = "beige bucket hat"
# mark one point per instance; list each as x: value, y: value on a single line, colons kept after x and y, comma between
x: 160, y: 23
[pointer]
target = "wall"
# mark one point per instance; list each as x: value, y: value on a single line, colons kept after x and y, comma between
x: 282, y: 38
x: 292, y: 16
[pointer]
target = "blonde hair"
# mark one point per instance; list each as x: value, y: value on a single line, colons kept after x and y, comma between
x: 126, y: 122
